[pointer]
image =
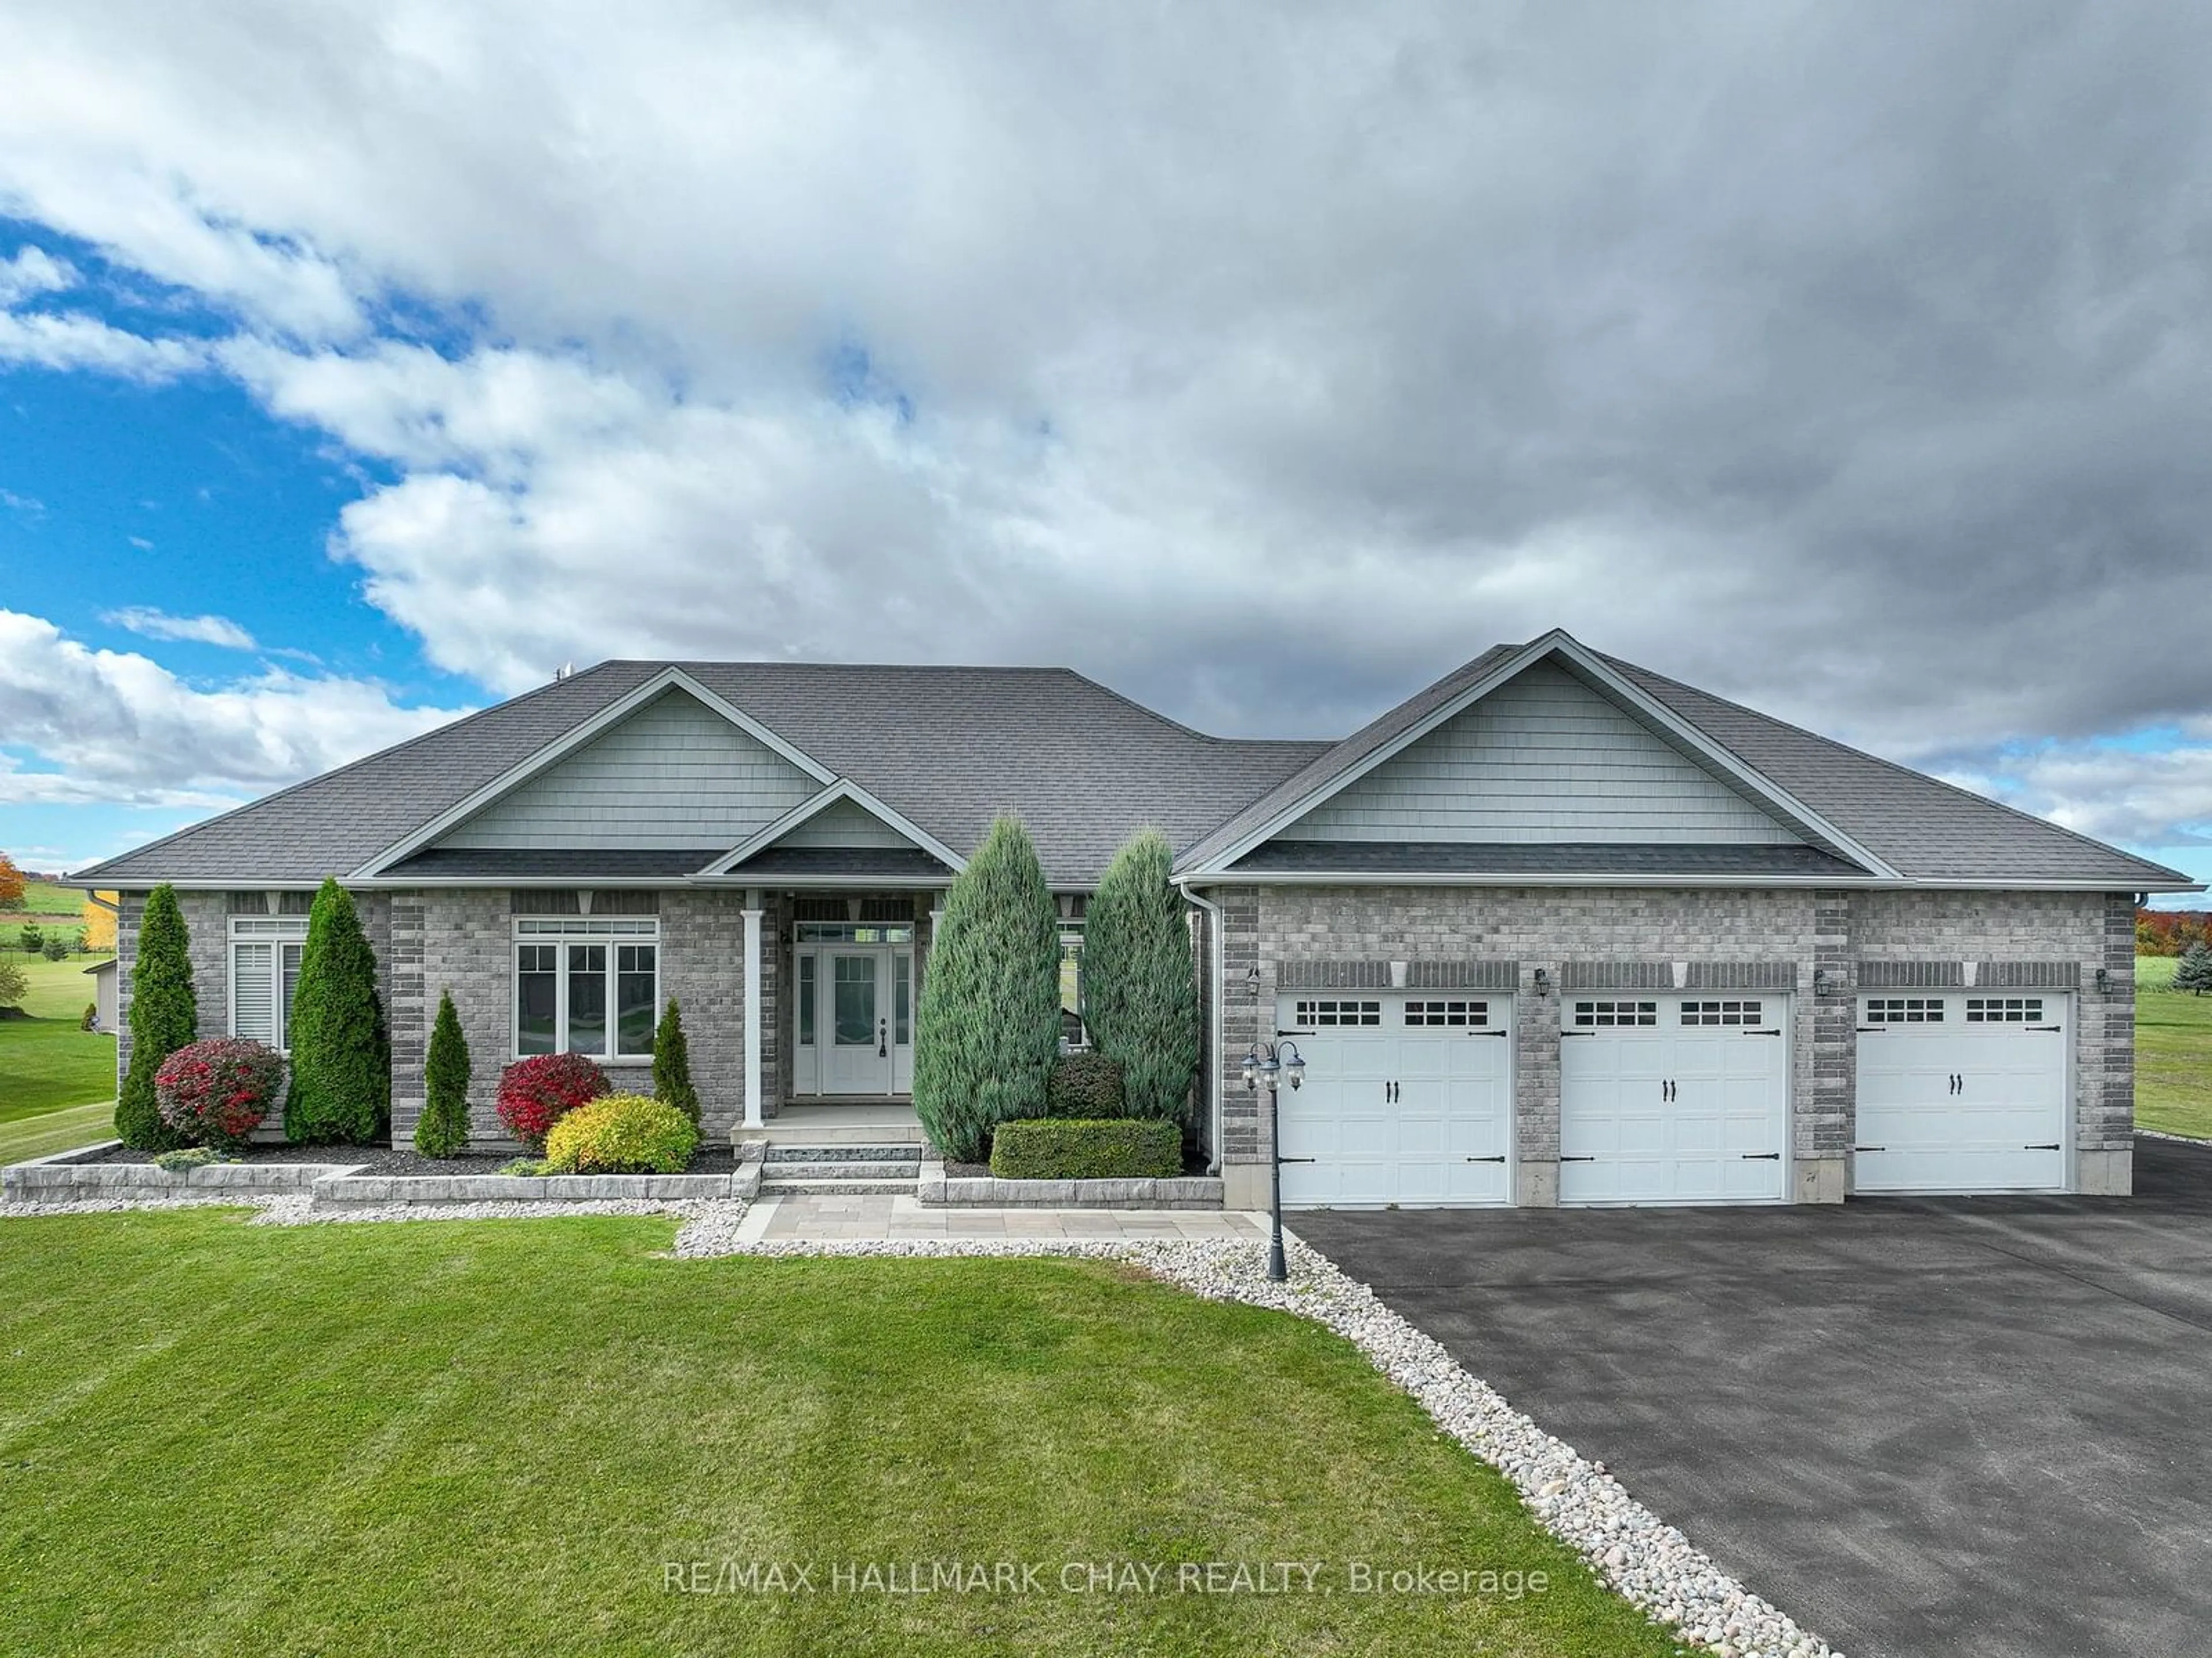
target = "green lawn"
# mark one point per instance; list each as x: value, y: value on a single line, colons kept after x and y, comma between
x: 43, y: 900
x: 45, y: 1061
x: 2173, y: 1053
x: 57, y: 1131
x: 496, y: 1437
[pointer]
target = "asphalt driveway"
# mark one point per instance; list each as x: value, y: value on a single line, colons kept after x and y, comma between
x: 1923, y: 1427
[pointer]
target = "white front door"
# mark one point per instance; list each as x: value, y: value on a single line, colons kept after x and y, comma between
x: 855, y: 1023
x: 1407, y: 1099
x: 1959, y: 1092
x: 1674, y: 1099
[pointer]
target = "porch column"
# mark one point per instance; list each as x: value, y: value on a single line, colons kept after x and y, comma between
x: 752, y: 1008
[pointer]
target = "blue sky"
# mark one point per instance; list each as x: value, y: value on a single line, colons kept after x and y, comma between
x: 361, y: 366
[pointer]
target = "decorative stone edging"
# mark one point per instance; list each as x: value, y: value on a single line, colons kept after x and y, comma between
x: 63, y: 1178
x: 939, y: 1190
x: 1648, y: 1563
x: 58, y: 1178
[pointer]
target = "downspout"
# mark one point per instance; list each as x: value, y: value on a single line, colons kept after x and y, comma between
x: 1213, y: 1048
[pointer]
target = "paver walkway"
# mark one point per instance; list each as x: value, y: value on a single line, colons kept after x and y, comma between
x: 885, y: 1216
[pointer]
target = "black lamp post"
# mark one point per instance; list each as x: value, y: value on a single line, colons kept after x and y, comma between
x: 1269, y: 1062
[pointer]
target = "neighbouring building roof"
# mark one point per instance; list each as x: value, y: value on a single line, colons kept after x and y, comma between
x: 946, y: 750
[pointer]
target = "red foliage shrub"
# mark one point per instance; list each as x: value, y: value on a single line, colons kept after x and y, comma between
x: 216, y: 1092
x: 534, y: 1094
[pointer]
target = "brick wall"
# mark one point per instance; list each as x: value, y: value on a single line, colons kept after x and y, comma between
x: 1815, y: 942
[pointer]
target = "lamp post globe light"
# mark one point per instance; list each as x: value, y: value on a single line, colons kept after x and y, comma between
x: 1269, y: 1063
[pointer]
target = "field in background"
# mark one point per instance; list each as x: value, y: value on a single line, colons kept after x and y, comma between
x: 45, y: 1061
x: 2173, y: 1053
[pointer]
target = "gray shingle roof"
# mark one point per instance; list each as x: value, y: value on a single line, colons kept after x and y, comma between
x: 1539, y: 857
x: 497, y: 863
x: 1927, y: 830
x: 950, y: 748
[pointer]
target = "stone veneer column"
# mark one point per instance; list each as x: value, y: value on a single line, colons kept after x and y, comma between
x: 1536, y: 1088
x: 1822, y: 1128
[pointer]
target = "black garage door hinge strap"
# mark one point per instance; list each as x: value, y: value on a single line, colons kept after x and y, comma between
x: 2046, y: 1027
x: 1499, y: 1158
x: 1762, y: 1156
x: 1297, y: 1160
x: 1485, y: 1033
x: 1590, y: 1159
x: 1869, y: 1148
x: 1763, y: 1033
x: 2053, y: 1146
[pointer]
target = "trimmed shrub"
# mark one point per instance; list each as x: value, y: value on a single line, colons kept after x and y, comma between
x: 91, y: 1020
x: 621, y: 1134
x: 534, y: 1094
x: 1088, y: 1148
x: 216, y: 1092
x: 340, y: 1090
x: 1141, y: 980
x: 14, y: 985
x: 164, y: 1016
x: 442, y: 1130
x: 57, y: 948
x: 32, y: 938
x: 190, y: 1157
x: 987, y: 1030
x: 1085, y: 1086
x: 671, y: 1065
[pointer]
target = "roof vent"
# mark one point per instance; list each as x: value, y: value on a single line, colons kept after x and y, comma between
x: 563, y: 671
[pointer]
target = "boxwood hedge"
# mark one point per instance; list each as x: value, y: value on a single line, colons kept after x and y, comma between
x: 1087, y: 1148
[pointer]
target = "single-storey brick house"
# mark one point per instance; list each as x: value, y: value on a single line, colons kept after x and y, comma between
x: 1555, y: 930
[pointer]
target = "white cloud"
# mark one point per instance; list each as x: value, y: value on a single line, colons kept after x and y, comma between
x: 121, y: 729
x: 1264, y: 363
x: 32, y: 271
x: 37, y: 340
x: 202, y: 629
x: 2133, y: 795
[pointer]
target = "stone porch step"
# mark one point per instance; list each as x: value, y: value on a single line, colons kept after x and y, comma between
x: 818, y: 1128
x: 775, y: 1173
x: 777, y: 1184
x: 907, y: 1156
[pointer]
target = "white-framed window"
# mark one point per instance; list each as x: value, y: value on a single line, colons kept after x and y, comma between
x: 2004, y: 1009
x: 1337, y: 1010
x: 1616, y: 1013
x: 1906, y: 1009
x: 1456, y: 1014
x: 265, y: 971
x: 586, y: 984
x: 1726, y: 1012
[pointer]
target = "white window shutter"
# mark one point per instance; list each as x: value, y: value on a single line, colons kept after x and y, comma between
x: 253, y: 992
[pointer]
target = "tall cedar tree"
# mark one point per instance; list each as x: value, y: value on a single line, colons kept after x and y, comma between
x: 671, y: 1065
x: 340, y: 1090
x: 442, y: 1130
x: 164, y: 1018
x: 2194, y: 970
x: 988, y: 1028
x: 1139, y: 979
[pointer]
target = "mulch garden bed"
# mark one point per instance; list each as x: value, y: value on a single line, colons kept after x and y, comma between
x: 386, y: 1160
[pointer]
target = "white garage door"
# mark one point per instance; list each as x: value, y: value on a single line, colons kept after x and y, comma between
x: 1961, y: 1093
x: 1674, y: 1099
x: 1407, y: 1099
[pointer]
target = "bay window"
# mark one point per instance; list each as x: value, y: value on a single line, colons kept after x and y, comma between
x: 265, y: 971
x: 587, y: 985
